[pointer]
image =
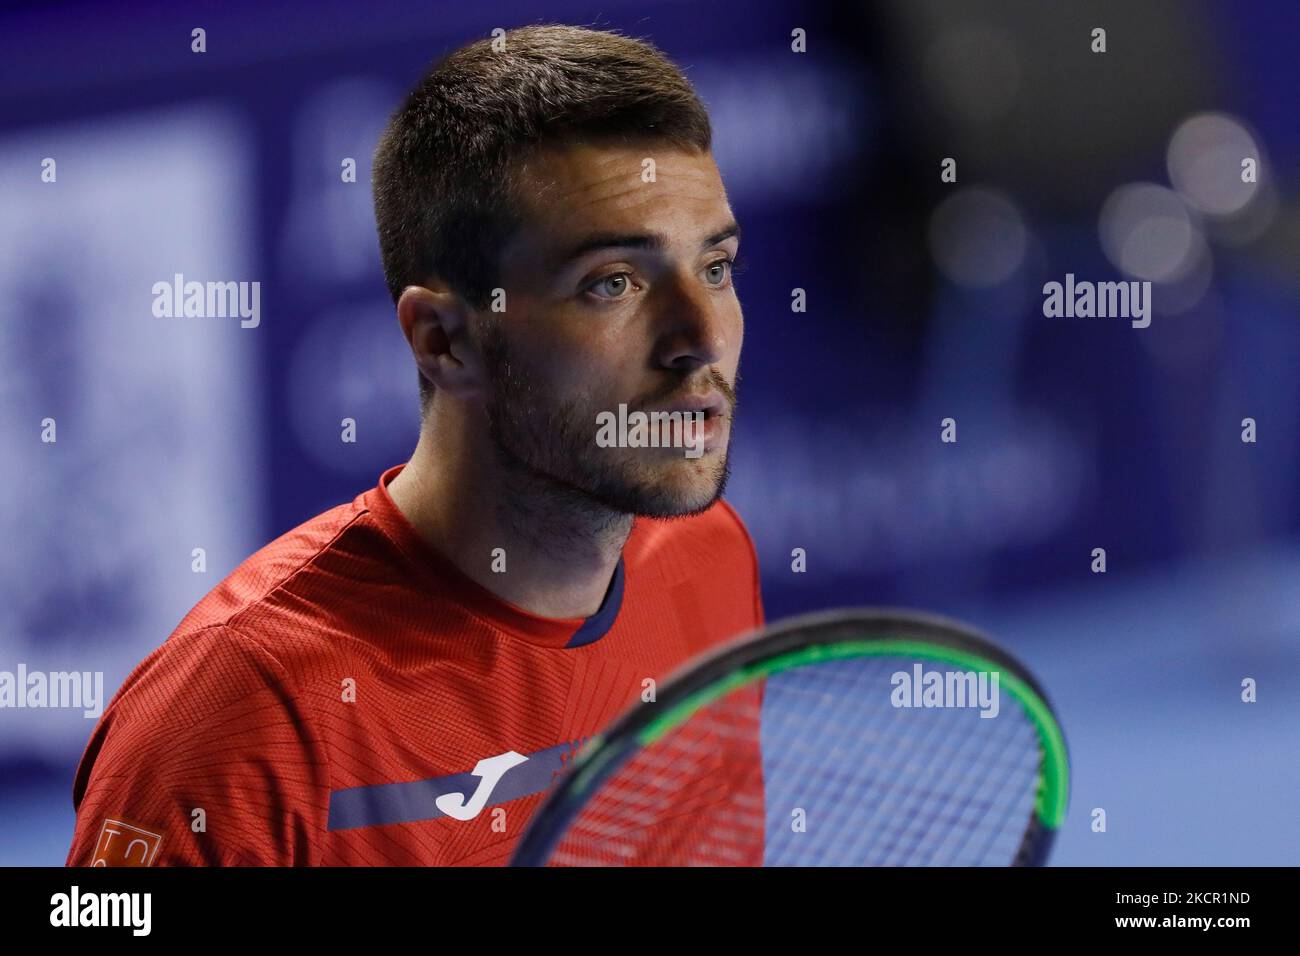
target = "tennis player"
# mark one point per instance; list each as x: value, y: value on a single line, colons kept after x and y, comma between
x: 400, y: 679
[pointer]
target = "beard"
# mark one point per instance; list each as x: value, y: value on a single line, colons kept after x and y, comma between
x: 551, y: 442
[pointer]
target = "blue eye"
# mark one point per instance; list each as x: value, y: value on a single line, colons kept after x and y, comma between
x: 731, y: 268
x: 616, y: 284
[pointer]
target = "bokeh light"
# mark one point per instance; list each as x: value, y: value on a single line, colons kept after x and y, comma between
x: 978, y: 238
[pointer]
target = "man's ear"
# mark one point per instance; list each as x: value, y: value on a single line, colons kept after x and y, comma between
x: 435, y: 323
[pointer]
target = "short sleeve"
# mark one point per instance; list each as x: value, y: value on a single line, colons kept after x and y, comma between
x: 204, y: 758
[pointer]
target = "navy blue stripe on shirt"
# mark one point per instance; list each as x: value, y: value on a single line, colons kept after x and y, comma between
x: 598, y: 625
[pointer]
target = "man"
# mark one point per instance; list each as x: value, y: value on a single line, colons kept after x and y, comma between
x: 401, y: 679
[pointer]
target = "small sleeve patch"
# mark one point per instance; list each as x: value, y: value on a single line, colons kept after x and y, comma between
x: 125, y: 844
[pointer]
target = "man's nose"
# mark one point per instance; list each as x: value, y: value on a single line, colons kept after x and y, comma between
x: 692, y: 326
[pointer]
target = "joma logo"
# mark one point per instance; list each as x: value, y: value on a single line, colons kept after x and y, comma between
x: 490, y: 770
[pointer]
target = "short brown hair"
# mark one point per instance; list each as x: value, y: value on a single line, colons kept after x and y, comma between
x: 443, y: 170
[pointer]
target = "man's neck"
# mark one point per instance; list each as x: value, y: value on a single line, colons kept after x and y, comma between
x: 558, y: 548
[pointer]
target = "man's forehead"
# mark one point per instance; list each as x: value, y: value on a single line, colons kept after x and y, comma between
x: 566, y: 185
x: 581, y: 163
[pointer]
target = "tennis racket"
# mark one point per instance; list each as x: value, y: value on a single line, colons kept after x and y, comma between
x: 844, y: 738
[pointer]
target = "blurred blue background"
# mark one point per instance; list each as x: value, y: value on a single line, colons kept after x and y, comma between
x: 924, y: 302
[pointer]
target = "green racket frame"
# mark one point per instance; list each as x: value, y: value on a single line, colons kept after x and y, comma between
x: 794, y: 642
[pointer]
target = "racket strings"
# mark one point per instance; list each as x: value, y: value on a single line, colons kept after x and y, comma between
x: 913, y: 785
x: 697, y: 801
x: 829, y: 773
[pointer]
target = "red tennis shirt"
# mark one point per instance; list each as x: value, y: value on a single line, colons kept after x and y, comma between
x: 348, y: 697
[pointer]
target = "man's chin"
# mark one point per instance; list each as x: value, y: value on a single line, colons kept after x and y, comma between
x: 660, y: 487
x: 677, y: 507
x: 678, y: 490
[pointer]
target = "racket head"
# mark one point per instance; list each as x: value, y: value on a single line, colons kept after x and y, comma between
x: 860, y: 644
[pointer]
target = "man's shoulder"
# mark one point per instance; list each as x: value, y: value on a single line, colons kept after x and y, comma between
x: 195, y: 674
x: 196, y: 721
x: 195, y: 681
x: 265, y: 581
x: 275, y: 609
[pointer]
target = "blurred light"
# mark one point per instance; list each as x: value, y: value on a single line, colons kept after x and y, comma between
x: 1174, y: 298
x: 978, y: 238
x: 1204, y: 161
x: 330, y: 224
x: 352, y: 362
x: 973, y: 74
x: 97, y: 573
x: 1147, y: 232
x: 885, y: 498
x: 781, y: 131
x: 1252, y: 221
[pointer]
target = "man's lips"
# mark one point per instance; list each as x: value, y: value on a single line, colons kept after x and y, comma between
x: 711, y: 404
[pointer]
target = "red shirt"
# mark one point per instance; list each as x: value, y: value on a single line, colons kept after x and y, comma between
x: 330, y: 702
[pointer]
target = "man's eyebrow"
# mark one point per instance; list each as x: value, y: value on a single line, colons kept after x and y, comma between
x: 654, y: 241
